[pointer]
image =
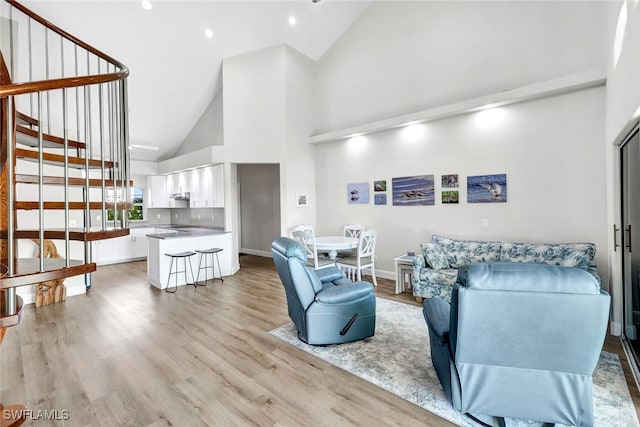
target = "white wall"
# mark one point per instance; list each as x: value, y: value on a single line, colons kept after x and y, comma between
x: 207, y: 131
x: 297, y: 170
x: 254, y: 106
x: 402, y: 57
x: 268, y: 117
x: 551, y: 150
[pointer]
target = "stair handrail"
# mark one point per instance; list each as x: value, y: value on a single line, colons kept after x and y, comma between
x: 114, y: 72
x: 42, y: 85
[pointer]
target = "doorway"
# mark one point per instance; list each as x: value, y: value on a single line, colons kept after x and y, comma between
x: 259, y: 207
x: 630, y: 240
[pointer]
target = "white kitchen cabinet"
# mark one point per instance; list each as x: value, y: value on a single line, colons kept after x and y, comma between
x: 218, y: 184
x: 211, y: 188
x: 157, y: 194
x: 122, y: 249
x: 102, y: 251
x: 207, y: 186
x: 197, y: 195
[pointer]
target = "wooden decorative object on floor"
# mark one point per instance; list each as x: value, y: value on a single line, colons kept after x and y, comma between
x: 51, y: 291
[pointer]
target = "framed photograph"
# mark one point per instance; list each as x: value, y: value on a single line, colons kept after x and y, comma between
x: 413, y: 190
x: 380, y: 185
x: 302, y: 200
x: 380, y: 199
x: 450, y: 181
x: 450, y: 197
x: 487, y: 188
x: 358, y: 193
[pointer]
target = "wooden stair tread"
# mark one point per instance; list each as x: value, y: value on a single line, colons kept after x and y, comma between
x: 8, y: 320
x: 29, y: 137
x: 75, y: 234
x: 13, y: 415
x: 75, y: 182
x: 27, y: 271
x: 58, y: 159
x: 31, y: 205
x: 26, y: 120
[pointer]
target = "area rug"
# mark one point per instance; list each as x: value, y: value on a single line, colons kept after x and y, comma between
x: 398, y: 360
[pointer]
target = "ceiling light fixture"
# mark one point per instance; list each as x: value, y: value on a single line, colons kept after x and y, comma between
x: 143, y: 147
x: 208, y: 33
x: 292, y: 20
x: 146, y: 5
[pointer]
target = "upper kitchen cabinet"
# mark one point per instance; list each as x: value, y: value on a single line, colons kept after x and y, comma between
x: 197, y: 195
x: 157, y: 193
x: 218, y: 183
x: 212, y: 186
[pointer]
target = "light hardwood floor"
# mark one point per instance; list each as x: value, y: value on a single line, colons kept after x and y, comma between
x: 127, y: 354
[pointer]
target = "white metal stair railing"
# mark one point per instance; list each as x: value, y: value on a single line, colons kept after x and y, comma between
x: 66, y: 107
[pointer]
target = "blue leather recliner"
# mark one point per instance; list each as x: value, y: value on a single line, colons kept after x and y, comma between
x: 326, y: 307
x: 520, y: 340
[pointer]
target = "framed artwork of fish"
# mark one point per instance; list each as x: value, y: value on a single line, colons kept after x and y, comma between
x: 487, y: 188
x: 413, y: 190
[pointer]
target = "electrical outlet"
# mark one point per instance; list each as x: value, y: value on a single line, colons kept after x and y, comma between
x: 98, y: 217
x: 176, y: 215
x: 157, y: 216
x: 484, y: 223
x: 198, y: 217
x: 213, y: 217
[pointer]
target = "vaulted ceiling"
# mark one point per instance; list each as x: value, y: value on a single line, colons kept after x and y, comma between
x: 175, y: 71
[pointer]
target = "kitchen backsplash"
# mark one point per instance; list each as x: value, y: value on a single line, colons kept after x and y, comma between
x: 210, y: 217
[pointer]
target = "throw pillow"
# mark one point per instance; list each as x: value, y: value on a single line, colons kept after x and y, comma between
x: 434, y: 255
x: 576, y: 259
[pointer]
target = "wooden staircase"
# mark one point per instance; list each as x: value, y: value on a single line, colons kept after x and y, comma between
x: 64, y: 164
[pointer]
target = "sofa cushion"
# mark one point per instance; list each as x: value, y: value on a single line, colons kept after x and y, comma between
x: 576, y: 259
x: 528, y: 277
x: 547, y: 253
x: 435, y: 283
x: 435, y: 257
x: 462, y: 252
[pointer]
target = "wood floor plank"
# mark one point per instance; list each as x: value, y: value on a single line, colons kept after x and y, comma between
x: 128, y: 354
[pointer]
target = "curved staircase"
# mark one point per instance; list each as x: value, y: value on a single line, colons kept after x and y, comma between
x: 64, y: 166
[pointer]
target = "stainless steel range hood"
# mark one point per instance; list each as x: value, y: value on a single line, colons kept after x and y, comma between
x: 181, y: 196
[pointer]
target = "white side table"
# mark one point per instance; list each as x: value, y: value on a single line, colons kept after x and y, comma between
x: 404, y: 270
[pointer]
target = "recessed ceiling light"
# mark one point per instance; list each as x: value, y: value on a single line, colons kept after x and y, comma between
x: 208, y: 33
x: 292, y: 20
x: 146, y: 5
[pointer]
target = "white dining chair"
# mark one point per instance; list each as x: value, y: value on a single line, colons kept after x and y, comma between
x: 308, y: 240
x: 364, y: 259
x: 302, y: 227
x: 351, y: 230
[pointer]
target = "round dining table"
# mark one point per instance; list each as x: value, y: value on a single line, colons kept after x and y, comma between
x: 333, y: 244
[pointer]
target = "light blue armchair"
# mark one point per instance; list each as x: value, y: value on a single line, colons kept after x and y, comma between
x: 325, y: 306
x: 520, y: 340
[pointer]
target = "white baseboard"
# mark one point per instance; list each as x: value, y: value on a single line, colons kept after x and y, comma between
x: 256, y: 252
x: 615, y: 328
x: 391, y: 275
x: 72, y: 290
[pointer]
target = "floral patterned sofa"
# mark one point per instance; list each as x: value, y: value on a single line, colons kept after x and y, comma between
x: 436, y: 271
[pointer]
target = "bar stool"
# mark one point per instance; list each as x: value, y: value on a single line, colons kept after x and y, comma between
x: 185, y: 256
x: 203, y: 254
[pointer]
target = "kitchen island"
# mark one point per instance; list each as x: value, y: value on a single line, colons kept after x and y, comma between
x: 181, y: 239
